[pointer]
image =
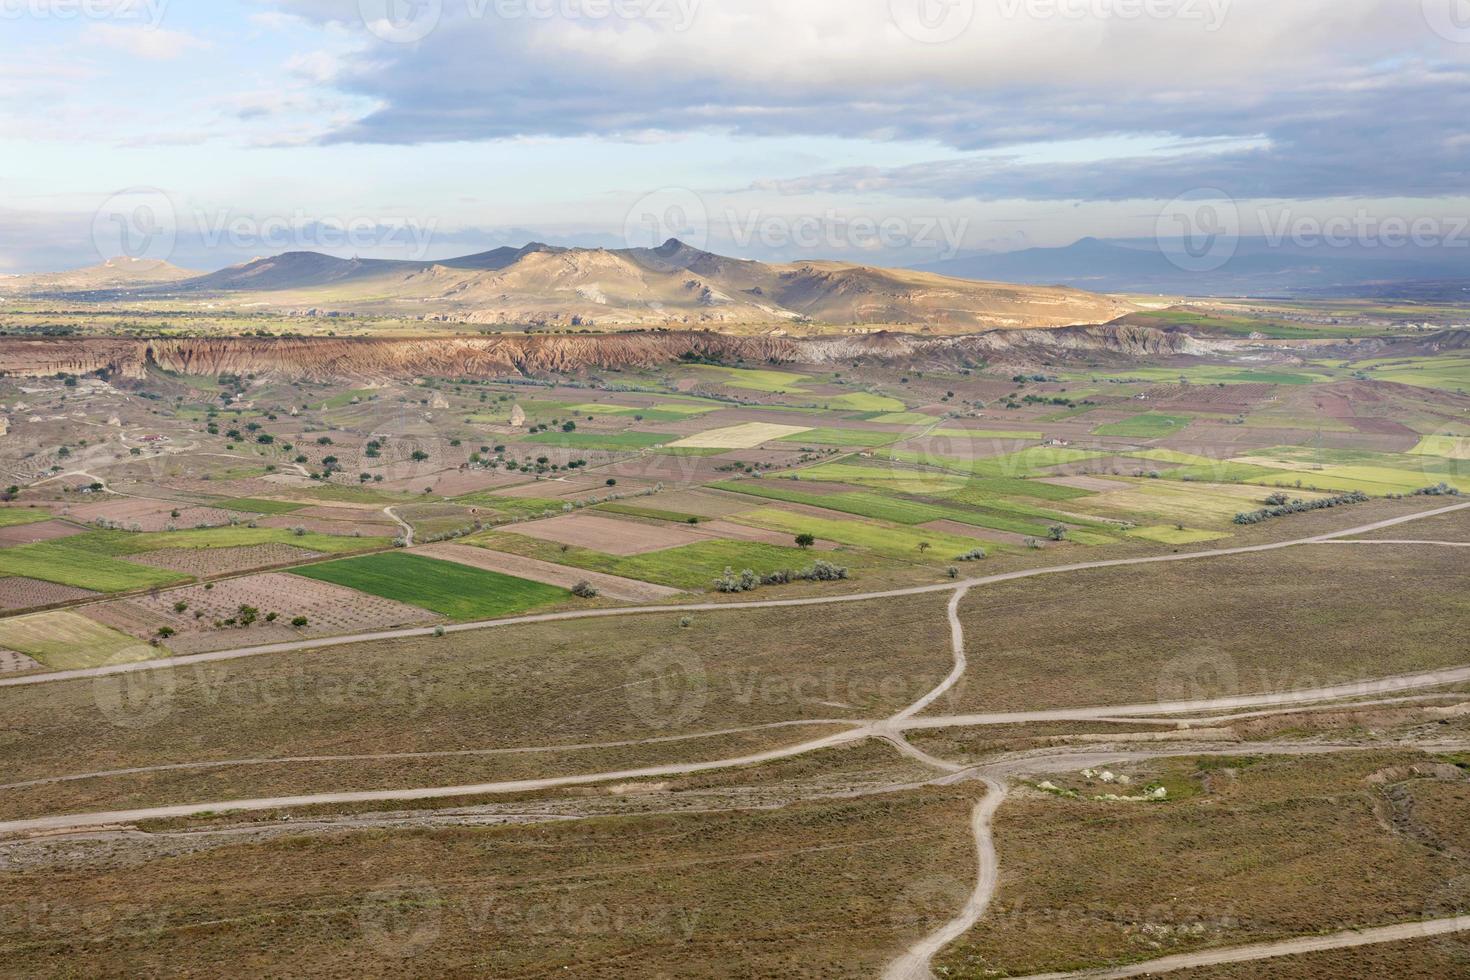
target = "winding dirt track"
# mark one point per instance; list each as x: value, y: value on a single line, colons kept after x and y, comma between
x: 965, y: 584
x: 1267, y: 951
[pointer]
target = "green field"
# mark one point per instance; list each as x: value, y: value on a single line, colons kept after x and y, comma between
x: 843, y: 437
x: 987, y: 434
x: 1169, y: 534
x: 755, y: 380
x: 614, y: 441
x: 1449, y: 372
x: 902, y: 418
x: 895, y: 542
x: 91, y: 560
x: 69, y: 561
x: 651, y: 513
x: 251, y: 505
x: 1150, y: 425
x: 862, y: 401
x: 692, y: 567
x: 1449, y: 447
x: 67, y: 641
x: 15, y: 516
x: 457, y: 591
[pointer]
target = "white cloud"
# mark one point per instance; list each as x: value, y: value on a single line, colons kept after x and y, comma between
x: 150, y: 43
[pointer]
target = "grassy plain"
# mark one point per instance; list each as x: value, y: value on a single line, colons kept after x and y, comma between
x: 1274, y: 621
x: 1261, y: 849
x: 450, y: 589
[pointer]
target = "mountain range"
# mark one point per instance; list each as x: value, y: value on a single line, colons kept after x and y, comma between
x: 673, y: 285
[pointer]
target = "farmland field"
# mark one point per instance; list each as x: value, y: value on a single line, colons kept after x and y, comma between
x: 1151, y: 425
x: 746, y: 436
x: 66, y: 641
x: 456, y: 591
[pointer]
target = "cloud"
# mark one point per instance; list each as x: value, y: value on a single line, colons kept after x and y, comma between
x: 1318, y: 88
x: 150, y: 43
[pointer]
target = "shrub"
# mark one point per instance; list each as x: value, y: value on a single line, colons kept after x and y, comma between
x: 977, y: 555
x: 585, y: 590
x: 300, y: 621
x: 1057, y: 532
x: 1301, y: 507
x: 1442, y: 490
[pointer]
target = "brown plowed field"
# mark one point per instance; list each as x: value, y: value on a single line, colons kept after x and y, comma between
x: 206, y: 562
x: 607, y: 535
x: 24, y: 593
x: 331, y: 609
x: 31, y: 533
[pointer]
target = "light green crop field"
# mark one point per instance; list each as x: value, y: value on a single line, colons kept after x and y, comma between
x: 67, y: 641
x: 614, y: 441
x: 1168, y: 534
x: 254, y: 505
x: 745, y: 436
x: 651, y: 513
x: 844, y: 437
x: 752, y: 379
x: 987, y: 434
x: 892, y: 478
x: 693, y: 567
x: 1166, y: 503
x: 896, y: 542
x: 1449, y: 447
x: 16, y: 516
x: 69, y: 561
x: 1449, y: 372
x: 457, y: 591
x: 903, y: 418
x: 1172, y: 456
x: 1150, y: 425
x: 862, y: 401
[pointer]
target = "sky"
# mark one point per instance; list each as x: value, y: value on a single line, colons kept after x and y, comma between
x: 897, y: 132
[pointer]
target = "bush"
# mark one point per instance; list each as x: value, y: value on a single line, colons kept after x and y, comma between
x: 1442, y: 490
x: 300, y: 621
x: 977, y: 555
x: 585, y: 590
x: 1301, y: 507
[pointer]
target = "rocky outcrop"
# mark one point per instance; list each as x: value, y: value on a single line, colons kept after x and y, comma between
x: 340, y: 359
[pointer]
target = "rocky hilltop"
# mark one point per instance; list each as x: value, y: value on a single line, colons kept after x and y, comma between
x: 347, y: 359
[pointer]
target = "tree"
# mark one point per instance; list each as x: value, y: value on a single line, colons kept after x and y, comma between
x: 924, y: 547
x: 1057, y: 532
x: 805, y: 541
